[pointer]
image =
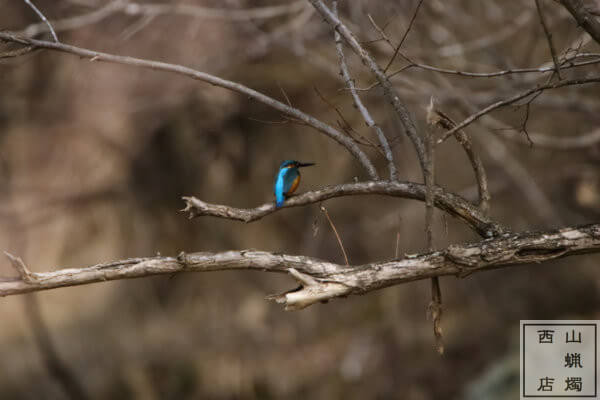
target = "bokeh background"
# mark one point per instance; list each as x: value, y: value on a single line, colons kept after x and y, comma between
x: 94, y: 159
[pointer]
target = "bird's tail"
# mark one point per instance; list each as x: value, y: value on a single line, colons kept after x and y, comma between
x: 279, y: 200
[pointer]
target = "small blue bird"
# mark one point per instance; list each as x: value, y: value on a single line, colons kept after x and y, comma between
x: 287, y: 180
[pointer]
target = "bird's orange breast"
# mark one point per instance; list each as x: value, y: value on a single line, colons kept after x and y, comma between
x: 294, y: 185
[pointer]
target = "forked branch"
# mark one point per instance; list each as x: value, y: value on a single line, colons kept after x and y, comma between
x: 321, y: 280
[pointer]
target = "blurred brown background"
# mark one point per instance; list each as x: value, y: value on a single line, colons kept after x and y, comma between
x: 95, y: 157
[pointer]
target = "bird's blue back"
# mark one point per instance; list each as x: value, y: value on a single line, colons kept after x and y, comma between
x: 283, y: 181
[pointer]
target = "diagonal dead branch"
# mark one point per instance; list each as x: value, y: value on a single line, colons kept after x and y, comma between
x: 309, y: 120
x: 322, y: 280
x: 359, y: 104
x: 410, y: 24
x: 548, y: 34
x: 337, y: 235
x: 445, y: 201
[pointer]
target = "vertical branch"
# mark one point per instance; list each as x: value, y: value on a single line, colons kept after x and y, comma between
x: 345, y: 72
x: 43, y: 18
x: 425, y: 161
x: 548, y: 37
x: 435, y: 306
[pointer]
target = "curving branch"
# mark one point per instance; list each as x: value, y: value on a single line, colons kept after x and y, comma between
x: 292, y: 112
x: 445, y: 201
x: 321, y: 280
x: 438, y: 118
x: 43, y: 18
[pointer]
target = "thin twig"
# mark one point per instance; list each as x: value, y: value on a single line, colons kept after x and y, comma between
x: 469, y: 120
x: 345, y: 125
x: 43, y: 18
x: 410, y: 24
x: 339, y: 240
x: 548, y: 37
x: 542, y: 141
x: 567, y: 64
x: 381, y: 32
x: 359, y: 104
x: 76, y: 22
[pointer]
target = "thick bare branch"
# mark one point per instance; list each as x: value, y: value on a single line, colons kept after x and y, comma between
x: 584, y: 17
x: 322, y: 280
x: 300, y: 116
x: 448, y: 202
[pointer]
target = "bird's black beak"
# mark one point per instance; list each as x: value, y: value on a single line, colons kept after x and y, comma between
x: 305, y: 164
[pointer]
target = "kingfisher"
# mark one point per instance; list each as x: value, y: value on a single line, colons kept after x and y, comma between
x: 287, y: 180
